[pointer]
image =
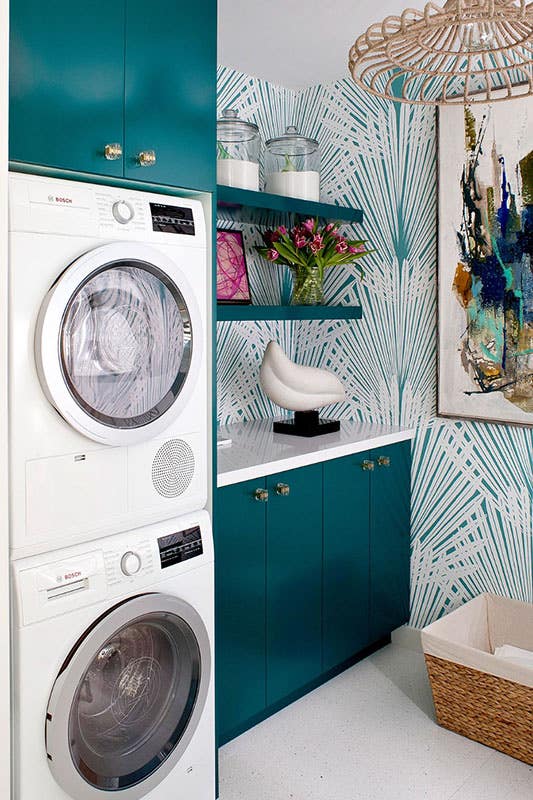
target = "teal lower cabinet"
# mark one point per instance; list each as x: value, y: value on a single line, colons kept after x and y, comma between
x: 312, y: 570
x: 390, y: 526
x: 240, y: 606
x: 346, y: 558
x: 293, y: 590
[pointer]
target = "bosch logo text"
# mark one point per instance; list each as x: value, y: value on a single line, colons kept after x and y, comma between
x: 65, y: 200
x: 70, y: 575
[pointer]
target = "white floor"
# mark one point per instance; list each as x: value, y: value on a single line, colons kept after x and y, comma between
x: 368, y: 734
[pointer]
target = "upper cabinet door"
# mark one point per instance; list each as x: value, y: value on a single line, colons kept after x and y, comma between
x: 170, y: 106
x: 67, y: 83
x: 390, y: 538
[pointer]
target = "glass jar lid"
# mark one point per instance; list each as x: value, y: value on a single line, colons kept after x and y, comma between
x: 232, y: 129
x: 292, y: 143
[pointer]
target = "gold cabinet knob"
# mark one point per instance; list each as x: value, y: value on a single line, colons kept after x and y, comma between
x: 261, y: 495
x: 383, y: 461
x: 147, y: 158
x: 367, y: 465
x: 283, y: 489
x: 113, y: 151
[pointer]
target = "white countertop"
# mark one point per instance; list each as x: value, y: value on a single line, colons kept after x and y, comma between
x: 256, y: 450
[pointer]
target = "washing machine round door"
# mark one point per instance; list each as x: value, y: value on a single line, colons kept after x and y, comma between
x: 128, y: 699
x: 118, y: 343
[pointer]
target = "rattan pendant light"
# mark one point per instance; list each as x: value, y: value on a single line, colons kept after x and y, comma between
x: 467, y: 51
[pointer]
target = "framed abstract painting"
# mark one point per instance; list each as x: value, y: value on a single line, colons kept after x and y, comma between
x: 232, y: 275
x: 485, y: 287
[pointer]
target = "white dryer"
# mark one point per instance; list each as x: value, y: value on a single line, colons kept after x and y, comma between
x: 108, y: 360
x: 113, y: 667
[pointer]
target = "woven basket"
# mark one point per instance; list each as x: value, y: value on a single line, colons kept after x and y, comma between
x: 483, y: 707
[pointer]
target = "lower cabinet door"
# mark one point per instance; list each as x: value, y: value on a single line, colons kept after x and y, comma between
x: 294, y: 565
x: 390, y: 539
x: 346, y: 558
x: 240, y: 606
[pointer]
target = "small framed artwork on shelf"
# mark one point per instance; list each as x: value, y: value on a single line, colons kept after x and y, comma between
x: 233, y: 286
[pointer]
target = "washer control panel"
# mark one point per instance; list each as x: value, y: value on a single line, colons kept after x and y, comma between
x: 180, y: 546
x: 130, y: 563
x: 119, y: 566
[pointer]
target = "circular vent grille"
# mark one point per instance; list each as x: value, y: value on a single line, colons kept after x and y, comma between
x: 173, y: 468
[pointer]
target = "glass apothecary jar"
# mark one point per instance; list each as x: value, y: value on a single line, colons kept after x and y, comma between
x: 292, y: 166
x: 238, y: 146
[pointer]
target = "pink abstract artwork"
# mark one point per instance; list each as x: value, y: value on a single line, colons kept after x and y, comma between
x: 232, y: 275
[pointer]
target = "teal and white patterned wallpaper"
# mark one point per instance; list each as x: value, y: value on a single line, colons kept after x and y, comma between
x: 472, y: 516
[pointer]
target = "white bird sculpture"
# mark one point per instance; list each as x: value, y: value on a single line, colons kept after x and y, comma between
x: 296, y: 387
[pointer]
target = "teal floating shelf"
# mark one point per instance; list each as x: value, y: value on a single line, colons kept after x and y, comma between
x: 242, y: 205
x: 229, y: 313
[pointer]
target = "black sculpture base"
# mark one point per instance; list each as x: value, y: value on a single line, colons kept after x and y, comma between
x: 307, y: 423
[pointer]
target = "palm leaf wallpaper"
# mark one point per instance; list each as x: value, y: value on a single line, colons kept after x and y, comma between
x: 472, y: 516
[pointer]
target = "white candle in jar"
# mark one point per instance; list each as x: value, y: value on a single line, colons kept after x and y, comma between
x: 241, y: 174
x: 304, y: 185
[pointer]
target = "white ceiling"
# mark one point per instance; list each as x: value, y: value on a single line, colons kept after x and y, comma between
x: 296, y: 43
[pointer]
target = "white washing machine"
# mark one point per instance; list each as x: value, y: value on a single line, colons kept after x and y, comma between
x: 108, y: 360
x: 113, y: 667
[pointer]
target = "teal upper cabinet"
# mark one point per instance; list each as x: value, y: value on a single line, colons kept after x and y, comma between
x: 390, y: 538
x: 66, y: 83
x: 87, y: 75
x: 171, y: 92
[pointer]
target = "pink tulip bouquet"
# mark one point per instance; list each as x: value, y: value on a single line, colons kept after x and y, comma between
x: 309, y: 250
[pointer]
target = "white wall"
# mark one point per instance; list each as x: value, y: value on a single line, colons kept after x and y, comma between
x: 5, y: 756
x: 296, y: 44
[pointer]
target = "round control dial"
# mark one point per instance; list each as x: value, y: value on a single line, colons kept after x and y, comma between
x: 130, y: 563
x: 122, y: 212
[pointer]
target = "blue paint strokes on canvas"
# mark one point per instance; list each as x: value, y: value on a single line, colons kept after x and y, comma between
x: 503, y: 211
x: 494, y: 279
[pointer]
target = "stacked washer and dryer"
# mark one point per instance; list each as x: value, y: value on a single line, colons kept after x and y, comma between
x: 112, y: 554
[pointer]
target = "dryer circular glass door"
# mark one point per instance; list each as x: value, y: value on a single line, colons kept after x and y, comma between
x: 129, y: 698
x: 117, y: 342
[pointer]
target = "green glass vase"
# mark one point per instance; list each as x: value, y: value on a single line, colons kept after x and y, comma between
x: 307, y: 286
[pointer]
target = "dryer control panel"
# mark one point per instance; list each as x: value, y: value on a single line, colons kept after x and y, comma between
x: 172, y: 218
x: 53, y: 206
